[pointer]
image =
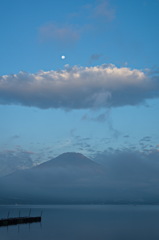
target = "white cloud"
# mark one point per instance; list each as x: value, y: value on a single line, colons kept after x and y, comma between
x: 99, y: 10
x: 62, y: 34
x: 68, y: 32
x: 104, y: 10
x: 79, y: 88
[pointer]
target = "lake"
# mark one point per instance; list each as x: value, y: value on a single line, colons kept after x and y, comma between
x: 84, y: 222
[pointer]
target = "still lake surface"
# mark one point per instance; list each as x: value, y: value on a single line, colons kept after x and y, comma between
x: 84, y: 222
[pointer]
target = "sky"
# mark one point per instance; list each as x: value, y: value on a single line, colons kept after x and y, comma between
x: 103, y: 97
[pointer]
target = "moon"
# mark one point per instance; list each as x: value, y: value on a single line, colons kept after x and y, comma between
x: 63, y: 57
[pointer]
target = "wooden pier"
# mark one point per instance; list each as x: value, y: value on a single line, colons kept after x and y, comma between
x: 18, y: 220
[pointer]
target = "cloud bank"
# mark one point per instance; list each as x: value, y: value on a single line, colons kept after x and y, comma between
x: 79, y: 88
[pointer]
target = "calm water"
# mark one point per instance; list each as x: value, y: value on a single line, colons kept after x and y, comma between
x: 105, y: 222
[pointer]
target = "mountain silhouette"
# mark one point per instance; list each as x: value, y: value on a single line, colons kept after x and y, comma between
x: 70, y: 160
x: 66, y: 177
x: 72, y: 178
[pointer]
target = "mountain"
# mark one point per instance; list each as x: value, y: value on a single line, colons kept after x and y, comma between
x: 64, y: 178
x: 72, y: 178
x: 70, y: 160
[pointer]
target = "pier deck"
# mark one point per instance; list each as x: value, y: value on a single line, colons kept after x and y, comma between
x: 18, y: 220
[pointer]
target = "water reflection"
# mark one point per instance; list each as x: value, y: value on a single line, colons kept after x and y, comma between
x: 87, y: 222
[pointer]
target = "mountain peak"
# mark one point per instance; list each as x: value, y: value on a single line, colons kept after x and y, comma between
x: 74, y: 155
x: 69, y: 159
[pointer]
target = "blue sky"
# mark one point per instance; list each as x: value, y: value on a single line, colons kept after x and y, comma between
x: 102, y: 96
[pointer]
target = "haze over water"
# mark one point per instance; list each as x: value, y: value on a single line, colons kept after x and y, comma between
x: 87, y: 222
